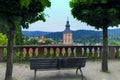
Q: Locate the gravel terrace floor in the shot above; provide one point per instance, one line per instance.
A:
(92, 71)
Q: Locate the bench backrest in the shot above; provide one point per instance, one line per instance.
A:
(38, 63)
(51, 63)
(75, 62)
(72, 62)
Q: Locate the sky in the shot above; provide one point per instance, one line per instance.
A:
(57, 17)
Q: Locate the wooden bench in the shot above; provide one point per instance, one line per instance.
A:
(57, 63)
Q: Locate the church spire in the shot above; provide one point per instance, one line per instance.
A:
(67, 23)
(67, 18)
(67, 26)
(67, 34)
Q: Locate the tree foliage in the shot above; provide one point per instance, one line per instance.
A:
(29, 40)
(17, 13)
(3, 39)
(100, 14)
(49, 41)
(18, 39)
(28, 11)
(97, 13)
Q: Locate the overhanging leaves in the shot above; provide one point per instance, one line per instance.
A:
(25, 3)
(96, 12)
(45, 3)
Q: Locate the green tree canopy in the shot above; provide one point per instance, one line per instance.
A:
(3, 39)
(28, 11)
(100, 14)
(17, 13)
(97, 13)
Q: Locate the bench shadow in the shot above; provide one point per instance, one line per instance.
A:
(57, 76)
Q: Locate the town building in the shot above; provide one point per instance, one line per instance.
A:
(67, 34)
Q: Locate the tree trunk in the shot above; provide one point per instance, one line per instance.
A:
(9, 65)
(105, 50)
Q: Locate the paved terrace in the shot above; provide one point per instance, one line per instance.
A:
(92, 71)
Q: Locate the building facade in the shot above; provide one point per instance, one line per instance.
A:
(67, 34)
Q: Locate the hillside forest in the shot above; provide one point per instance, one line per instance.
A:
(80, 37)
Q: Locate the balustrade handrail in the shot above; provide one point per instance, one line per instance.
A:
(4, 46)
(27, 51)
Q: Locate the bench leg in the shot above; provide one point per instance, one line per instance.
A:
(77, 71)
(80, 72)
(35, 74)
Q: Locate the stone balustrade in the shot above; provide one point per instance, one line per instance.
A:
(25, 52)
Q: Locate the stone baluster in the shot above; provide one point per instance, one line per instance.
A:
(14, 53)
(85, 51)
(17, 53)
(66, 52)
(60, 52)
(90, 52)
(54, 52)
(112, 52)
(33, 52)
(117, 52)
(51, 52)
(40, 52)
(1, 54)
(72, 52)
(48, 52)
(63, 52)
(21, 54)
(79, 51)
(44, 52)
(101, 51)
(27, 54)
(36, 52)
(98, 52)
(95, 52)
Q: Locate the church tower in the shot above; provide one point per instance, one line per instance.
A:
(67, 34)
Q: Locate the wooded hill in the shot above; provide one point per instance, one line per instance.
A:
(80, 36)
